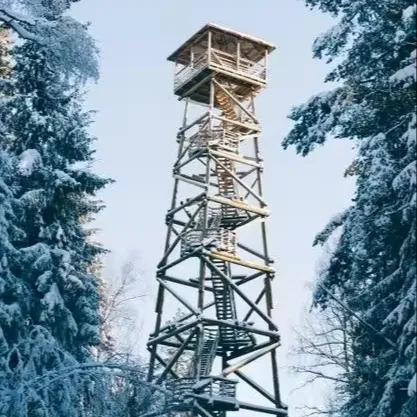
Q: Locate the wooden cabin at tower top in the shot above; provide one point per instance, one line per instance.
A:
(240, 59)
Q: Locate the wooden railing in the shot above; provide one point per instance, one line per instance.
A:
(245, 67)
(241, 65)
(188, 72)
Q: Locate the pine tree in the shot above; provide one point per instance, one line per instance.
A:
(373, 269)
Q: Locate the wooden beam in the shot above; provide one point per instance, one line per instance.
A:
(236, 158)
(238, 205)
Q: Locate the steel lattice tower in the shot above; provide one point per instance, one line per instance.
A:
(217, 199)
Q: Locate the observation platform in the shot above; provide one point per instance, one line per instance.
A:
(238, 58)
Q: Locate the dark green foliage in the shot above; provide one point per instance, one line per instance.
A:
(373, 268)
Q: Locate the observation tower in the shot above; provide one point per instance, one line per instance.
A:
(216, 264)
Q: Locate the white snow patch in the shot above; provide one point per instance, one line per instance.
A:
(53, 298)
(409, 12)
(407, 175)
(408, 72)
(27, 161)
(62, 178)
(412, 386)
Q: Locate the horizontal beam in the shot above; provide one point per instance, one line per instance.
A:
(239, 205)
(224, 256)
(250, 329)
(237, 158)
(265, 410)
(247, 126)
(189, 180)
(186, 283)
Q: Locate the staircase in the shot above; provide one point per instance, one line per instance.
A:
(226, 105)
(208, 352)
(228, 189)
(230, 338)
(226, 183)
(228, 109)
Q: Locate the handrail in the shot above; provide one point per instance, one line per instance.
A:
(246, 66)
(224, 59)
(186, 72)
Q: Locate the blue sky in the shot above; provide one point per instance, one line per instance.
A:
(137, 121)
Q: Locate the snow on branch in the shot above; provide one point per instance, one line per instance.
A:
(66, 40)
(42, 379)
(336, 222)
(412, 389)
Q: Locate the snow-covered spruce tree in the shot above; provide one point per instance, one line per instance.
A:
(373, 269)
(54, 188)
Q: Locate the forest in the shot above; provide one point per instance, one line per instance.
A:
(60, 315)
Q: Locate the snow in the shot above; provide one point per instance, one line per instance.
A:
(407, 73)
(409, 12)
(407, 175)
(62, 178)
(412, 389)
(28, 160)
(66, 40)
(53, 299)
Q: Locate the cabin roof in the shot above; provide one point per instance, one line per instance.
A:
(222, 30)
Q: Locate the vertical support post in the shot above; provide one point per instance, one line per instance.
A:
(192, 57)
(267, 281)
(266, 65)
(209, 46)
(238, 52)
(161, 290)
(158, 310)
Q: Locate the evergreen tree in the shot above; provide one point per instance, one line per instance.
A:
(373, 269)
(55, 188)
(49, 301)
(48, 23)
